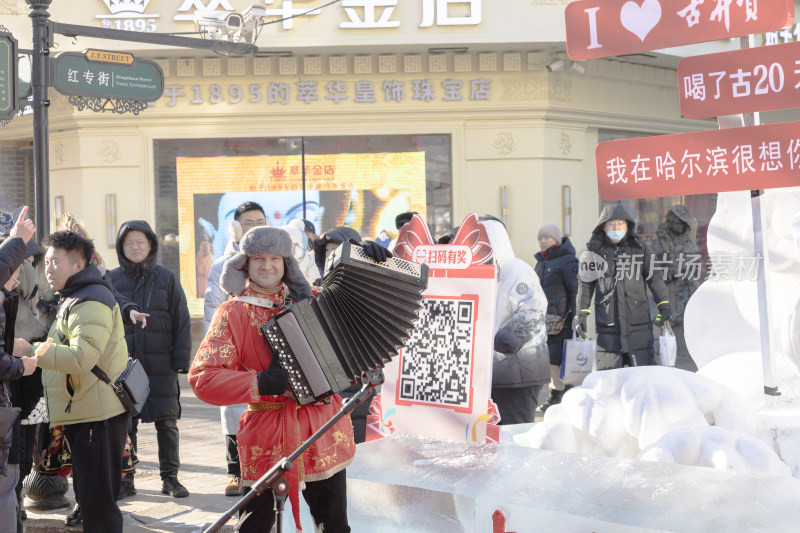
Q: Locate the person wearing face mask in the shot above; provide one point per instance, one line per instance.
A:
(622, 312)
(557, 268)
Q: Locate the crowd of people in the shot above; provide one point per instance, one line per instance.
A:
(90, 318)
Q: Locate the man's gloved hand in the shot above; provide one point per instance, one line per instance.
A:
(376, 251)
(579, 323)
(274, 380)
(664, 313)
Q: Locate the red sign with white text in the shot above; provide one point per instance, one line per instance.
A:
(604, 28)
(742, 81)
(736, 159)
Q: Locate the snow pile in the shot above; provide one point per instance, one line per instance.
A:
(656, 413)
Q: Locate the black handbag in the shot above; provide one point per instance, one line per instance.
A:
(8, 416)
(132, 387)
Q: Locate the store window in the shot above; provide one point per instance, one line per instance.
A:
(358, 181)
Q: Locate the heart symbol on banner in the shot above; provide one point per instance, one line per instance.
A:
(639, 20)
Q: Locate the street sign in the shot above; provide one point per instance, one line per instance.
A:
(735, 159)
(604, 28)
(8, 75)
(741, 81)
(74, 74)
(106, 56)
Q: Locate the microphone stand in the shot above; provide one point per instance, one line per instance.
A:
(274, 479)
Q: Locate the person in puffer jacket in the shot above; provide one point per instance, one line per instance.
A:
(521, 366)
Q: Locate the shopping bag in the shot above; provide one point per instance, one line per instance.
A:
(667, 346)
(577, 359)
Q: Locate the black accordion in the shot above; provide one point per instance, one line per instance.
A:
(360, 319)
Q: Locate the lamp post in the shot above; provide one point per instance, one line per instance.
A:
(42, 42)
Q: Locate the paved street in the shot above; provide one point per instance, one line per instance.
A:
(202, 472)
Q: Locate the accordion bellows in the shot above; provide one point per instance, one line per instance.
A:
(360, 319)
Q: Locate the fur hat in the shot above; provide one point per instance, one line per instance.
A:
(259, 241)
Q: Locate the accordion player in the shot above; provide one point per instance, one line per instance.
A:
(360, 319)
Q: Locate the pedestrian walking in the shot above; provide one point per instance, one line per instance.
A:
(557, 268)
(616, 273)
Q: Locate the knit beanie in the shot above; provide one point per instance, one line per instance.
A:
(264, 240)
(550, 230)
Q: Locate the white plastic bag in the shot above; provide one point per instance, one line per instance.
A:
(667, 346)
(577, 359)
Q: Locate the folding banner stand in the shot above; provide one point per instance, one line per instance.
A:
(738, 121)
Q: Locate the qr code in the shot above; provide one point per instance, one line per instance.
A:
(436, 363)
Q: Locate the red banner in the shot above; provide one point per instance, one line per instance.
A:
(604, 28)
(736, 159)
(742, 81)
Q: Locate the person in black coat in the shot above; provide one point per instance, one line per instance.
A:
(557, 268)
(163, 346)
(617, 273)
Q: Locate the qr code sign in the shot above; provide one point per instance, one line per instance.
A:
(436, 362)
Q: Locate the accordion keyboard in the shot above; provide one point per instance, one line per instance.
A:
(280, 348)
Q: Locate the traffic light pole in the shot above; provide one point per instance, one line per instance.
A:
(43, 31)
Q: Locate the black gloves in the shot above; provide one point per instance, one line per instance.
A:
(664, 313)
(579, 323)
(376, 251)
(274, 380)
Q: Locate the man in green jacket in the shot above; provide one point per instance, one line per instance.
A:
(88, 331)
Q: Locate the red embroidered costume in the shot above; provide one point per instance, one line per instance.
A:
(224, 373)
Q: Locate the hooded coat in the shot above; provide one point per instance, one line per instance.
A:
(622, 312)
(557, 269)
(521, 358)
(680, 252)
(164, 346)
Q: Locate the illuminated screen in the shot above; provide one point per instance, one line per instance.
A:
(362, 191)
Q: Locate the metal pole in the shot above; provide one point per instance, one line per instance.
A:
(762, 258)
(42, 41)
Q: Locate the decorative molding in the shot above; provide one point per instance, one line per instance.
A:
(312, 65)
(437, 63)
(262, 66)
(164, 65)
(387, 64)
(58, 153)
(362, 64)
(504, 143)
(237, 66)
(212, 67)
(13, 7)
(512, 62)
(185, 67)
(109, 152)
(337, 64)
(287, 66)
(412, 64)
(462, 63)
(487, 62)
(565, 143)
(537, 88)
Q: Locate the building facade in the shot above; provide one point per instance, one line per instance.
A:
(357, 110)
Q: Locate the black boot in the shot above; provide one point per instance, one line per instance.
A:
(170, 485)
(126, 488)
(553, 399)
(74, 518)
